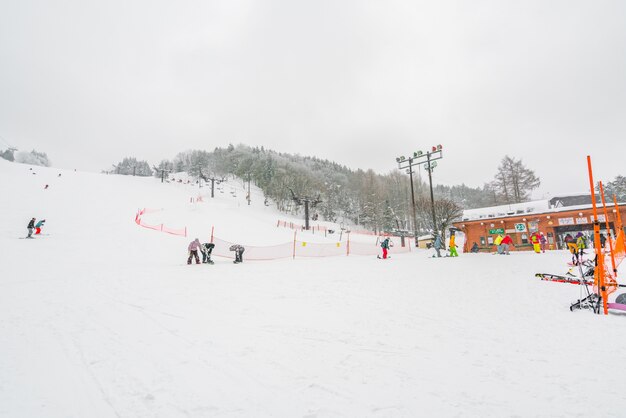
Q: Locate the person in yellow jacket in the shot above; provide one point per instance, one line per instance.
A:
(452, 246)
(498, 243)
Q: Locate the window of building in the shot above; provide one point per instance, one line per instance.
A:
(524, 239)
(482, 240)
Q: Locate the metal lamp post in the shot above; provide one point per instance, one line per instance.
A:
(429, 159)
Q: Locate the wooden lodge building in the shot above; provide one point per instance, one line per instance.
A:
(555, 218)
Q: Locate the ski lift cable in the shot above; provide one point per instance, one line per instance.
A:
(5, 141)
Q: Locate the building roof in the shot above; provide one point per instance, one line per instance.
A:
(556, 204)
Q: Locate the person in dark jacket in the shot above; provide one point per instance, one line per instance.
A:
(207, 249)
(474, 248)
(602, 240)
(385, 244)
(238, 249)
(31, 228)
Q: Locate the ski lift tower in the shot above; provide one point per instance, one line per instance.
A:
(306, 200)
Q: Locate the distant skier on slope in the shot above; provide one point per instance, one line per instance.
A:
(193, 248)
(31, 228)
(385, 244)
(38, 226)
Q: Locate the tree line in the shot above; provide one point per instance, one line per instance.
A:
(381, 202)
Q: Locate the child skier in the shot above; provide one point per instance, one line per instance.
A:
(193, 248)
(207, 249)
(38, 226)
(31, 228)
(452, 246)
(238, 249)
(385, 244)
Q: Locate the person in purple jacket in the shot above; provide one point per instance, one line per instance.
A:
(193, 248)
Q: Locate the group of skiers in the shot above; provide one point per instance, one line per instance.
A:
(503, 243)
(34, 227)
(207, 248)
(438, 245)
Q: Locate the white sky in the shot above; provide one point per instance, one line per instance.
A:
(357, 82)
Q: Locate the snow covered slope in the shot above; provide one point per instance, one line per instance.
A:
(102, 318)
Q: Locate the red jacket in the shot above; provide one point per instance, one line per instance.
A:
(507, 240)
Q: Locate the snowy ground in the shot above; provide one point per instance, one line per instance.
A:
(102, 318)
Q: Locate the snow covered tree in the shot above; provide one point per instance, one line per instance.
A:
(131, 166)
(8, 154)
(33, 157)
(616, 187)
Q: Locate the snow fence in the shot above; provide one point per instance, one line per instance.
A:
(157, 227)
(293, 249)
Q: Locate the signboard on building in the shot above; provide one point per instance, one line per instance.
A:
(520, 227)
(582, 220)
(566, 221)
(601, 218)
(533, 226)
(496, 231)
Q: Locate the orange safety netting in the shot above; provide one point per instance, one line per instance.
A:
(160, 227)
(298, 248)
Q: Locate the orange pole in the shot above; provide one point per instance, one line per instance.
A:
(294, 244)
(599, 273)
(618, 226)
(348, 246)
(606, 219)
(212, 229)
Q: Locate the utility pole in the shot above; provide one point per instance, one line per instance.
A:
(248, 196)
(435, 153)
(163, 171)
(306, 200)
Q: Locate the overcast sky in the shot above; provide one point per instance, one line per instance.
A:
(357, 82)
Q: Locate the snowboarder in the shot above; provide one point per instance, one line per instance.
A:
(385, 244)
(474, 248)
(452, 245)
(498, 243)
(207, 249)
(506, 242)
(31, 228)
(238, 249)
(38, 226)
(438, 245)
(193, 251)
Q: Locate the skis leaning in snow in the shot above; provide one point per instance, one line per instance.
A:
(564, 279)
